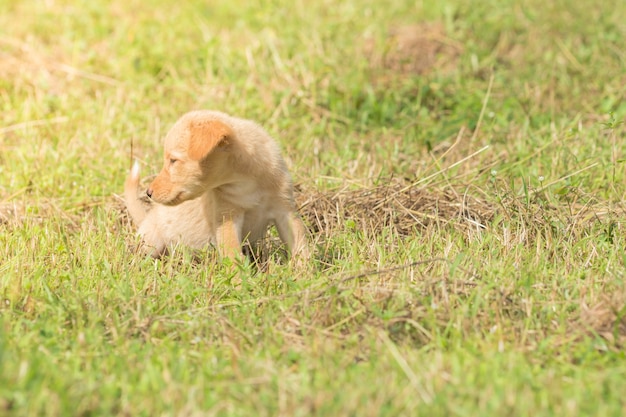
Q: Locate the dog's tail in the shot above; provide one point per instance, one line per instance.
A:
(131, 189)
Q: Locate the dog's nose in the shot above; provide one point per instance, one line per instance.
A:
(149, 192)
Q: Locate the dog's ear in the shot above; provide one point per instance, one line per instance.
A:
(206, 136)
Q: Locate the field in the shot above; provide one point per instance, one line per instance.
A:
(460, 167)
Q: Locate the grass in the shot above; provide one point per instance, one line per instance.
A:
(460, 167)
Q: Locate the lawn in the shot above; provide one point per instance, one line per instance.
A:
(460, 167)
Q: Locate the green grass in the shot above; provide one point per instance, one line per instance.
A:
(521, 111)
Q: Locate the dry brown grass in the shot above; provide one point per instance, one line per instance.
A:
(410, 50)
(605, 318)
(397, 205)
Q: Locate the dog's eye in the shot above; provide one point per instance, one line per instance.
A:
(173, 161)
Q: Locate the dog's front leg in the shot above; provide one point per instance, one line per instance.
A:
(228, 233)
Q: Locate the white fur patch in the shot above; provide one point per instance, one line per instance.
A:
(134, 172)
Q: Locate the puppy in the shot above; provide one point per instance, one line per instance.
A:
(235, 170)
(161, 227)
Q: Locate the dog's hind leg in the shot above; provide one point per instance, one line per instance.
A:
(293, 232)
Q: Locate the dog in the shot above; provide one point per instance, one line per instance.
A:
(232, 171)
(162, 227)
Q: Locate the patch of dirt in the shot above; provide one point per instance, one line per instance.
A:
(10, 212)
(606, 318)
(414, 50)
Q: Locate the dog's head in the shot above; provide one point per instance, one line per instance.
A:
(195, 158)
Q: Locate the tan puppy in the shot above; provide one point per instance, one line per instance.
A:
(161, 227)
(235, 168)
